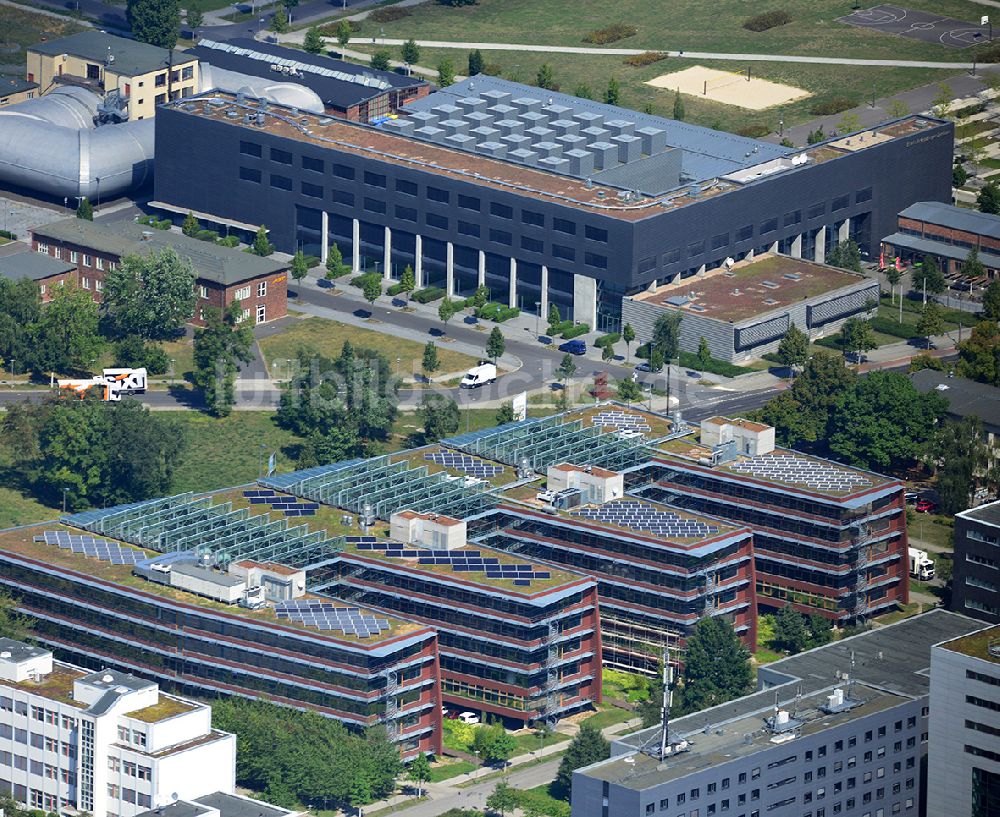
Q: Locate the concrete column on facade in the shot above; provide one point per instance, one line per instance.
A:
(819, 254)
(324, 237)
(844, 231)
(701, 270)
(512, 286)
(749, 256)
(773, 247)
(651, 286)
(387, 254)
(797, 246)
(418, 260)
(543, 307)
(356, 248)
(449, 269)
(482, 269)
(585, 300)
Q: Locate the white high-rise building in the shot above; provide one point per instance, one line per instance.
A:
(103, 742)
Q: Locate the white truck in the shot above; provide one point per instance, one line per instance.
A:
(481, 374)
(921, 565)
(111, 384)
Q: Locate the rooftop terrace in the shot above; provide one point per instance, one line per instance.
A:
(751, 288)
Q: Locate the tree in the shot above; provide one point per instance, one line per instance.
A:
(554, 317)
(261, 246)
(607, 352)
(898, 109)
(546, 78)
(972, 267)
(419, 771)
(300, 267)
(931, 321)
(791, 633)
(820, 631)
(343, 32)
(505, 414)
(629, 391)
(979, 355)
(496, 344)
(612, 96)
(678, 106)
(583, 92)
(960, 455)
(194, 17)
(991, 301)
(335, 266)
(361, 793)
(893, 275)
(12, 623)
(942, 101)
(372, 288)
(959, 176)
(85, 210)
(190, 227)
(494, 744)
(446, 73)
(988, 200)
(849, 123)
(439, 416)
(883, 422)
(430, 363)
(717, 666)
(407, 281)
(928, 277)
(667, 335)
(20, 307)
(655, 360)
(858, 337)
(410, 52)
(219, 348)
(154, 21)
(793, 350)
(447, 309)
(587, 746)
(846, 255)
(502, 799)
(313, 42)
(815, 136)
(381, 61)
(628, 335)
(476, 62)
(279, 22)
(134, 352)
(566, 369)
(480, 297)
(704, 354)
(66, 338)
(289, 5)
(152, 296)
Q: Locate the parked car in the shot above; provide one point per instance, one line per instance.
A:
(926, 506)
(645, 368)
(911, 497)
(574, 347)
(468, 717)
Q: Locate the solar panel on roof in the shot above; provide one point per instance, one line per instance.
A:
(800, 471)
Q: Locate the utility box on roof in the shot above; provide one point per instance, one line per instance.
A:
(597, 485)
(752, 439)
(427, 529)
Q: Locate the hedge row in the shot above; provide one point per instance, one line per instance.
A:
(576, 331)
(720, 367)
(498, 313)
(754, 131)
(611, 338)
(559, 328)
(8, 234)
(769, 19)
(645, 58)
(395, 289)
(359, 280)
(151, 221)
(207, 235)
(610, 34)
(229, 241)
(828, 107)
(428, 294)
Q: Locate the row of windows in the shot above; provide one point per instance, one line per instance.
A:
(130, 768)
(96, 262)
(129, 795)
(38, 768)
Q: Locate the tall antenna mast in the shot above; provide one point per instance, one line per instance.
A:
(668, 677)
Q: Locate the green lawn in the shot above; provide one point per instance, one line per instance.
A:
(541, 800)
(24, 27)
(327, 338)
(935, 531)
(528, 742)
(445, 770)
(608, 716)
(17, 509)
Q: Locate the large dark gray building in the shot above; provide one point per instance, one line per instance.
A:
(543, 197)
(976, 578)
(840, 729)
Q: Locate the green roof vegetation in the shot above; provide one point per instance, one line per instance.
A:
(164, 708)
(977, 645)
(57, 685)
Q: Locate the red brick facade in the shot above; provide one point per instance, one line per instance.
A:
(264, 298)
(949, 235)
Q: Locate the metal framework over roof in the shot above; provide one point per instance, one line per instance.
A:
(185, 522)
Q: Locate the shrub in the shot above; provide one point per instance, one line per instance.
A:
(229, 241)
(832, 105)
(645, 58)
(498, 313)
(8, 234)
(359, 281)
(559, 328)
(720, 367)
(330, 30)
(575, 331)
(389, 14)
(394, 289)
(754, 131)
(990, 53)
(428, 294)
(134, 352)
(152, 221)
(207, 235)
(312, 261)
(769, 19)
(611, 34)
(611, 338)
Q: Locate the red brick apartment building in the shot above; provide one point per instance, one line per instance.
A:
(224, 274)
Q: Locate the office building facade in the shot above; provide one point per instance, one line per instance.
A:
(976, 579)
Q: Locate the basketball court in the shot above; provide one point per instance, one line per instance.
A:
(918, 25)
(743, 90)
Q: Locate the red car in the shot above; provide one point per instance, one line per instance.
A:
(925, 506)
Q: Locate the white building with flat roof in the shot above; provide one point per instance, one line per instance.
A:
(103, 742)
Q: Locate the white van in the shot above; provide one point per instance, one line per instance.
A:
(481, 374)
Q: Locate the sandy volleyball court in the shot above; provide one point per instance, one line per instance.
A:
(729, 88)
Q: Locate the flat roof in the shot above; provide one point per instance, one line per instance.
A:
(957, 218)
(739, 737)
(211, 261)
(233, 805)
(14, 85)
(20, 541)
(352, 85)
(131, 57)
(19, 651)
(984, 513)
(440, 458)
(34, 265)
(984, 645)
(966, 398)
(752, 287)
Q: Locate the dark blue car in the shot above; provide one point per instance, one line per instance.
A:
(574, 347)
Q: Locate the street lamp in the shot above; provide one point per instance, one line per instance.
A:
(538, 317)
(985, 21)
(781, 128)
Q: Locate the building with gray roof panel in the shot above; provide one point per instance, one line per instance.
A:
(844, 753)
(947, 233)
(131, 57)
(33, 265)
(966, 398)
